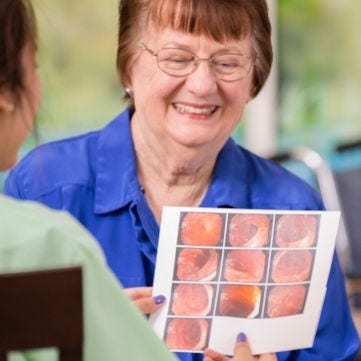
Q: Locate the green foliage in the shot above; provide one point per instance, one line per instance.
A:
(320, 57)
(77, 47)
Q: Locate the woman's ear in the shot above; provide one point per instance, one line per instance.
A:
(6, 103)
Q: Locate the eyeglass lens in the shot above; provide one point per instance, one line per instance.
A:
(180, 62)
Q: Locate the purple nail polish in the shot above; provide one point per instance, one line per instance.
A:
(241, 337)
(159, 299)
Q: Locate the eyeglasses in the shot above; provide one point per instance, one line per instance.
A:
(179, 62)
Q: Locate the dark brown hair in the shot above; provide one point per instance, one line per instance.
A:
(17, 28)
(220, 20)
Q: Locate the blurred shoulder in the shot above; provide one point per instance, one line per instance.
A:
(28, 222)
(275, 186)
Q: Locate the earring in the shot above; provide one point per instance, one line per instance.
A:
(129, 92)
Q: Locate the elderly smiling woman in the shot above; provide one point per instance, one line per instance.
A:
(189, 68)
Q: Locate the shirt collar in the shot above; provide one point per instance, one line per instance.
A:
(116, 180)
(117, 183)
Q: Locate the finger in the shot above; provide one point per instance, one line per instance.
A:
(207, 358)
(135, 293)
(149, 305)
(268, 357)
(242, 351)
(211, 355)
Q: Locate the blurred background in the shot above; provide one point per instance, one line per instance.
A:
(312, 97)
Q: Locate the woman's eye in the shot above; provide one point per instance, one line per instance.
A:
(175, 56)
(225, 64)
(180, 59)
(229, 62)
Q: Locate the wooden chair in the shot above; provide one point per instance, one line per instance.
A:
(42, 309)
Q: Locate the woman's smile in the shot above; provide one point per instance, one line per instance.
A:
(194, 109)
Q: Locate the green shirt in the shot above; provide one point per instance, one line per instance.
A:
(33, 237)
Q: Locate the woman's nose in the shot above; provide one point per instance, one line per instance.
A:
(203, 80)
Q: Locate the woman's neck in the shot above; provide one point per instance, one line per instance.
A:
(173, 178)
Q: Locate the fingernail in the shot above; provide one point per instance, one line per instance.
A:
(159, 299)
(241, 337)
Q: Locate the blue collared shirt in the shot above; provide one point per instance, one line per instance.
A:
(94, 177)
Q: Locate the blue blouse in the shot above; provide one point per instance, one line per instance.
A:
(94, 177)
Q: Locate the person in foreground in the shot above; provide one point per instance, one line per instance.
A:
(35, 237)
(189, 68)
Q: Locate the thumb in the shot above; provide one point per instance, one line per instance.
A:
(148, 305)
(241, 348)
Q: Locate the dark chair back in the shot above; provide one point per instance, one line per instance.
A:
(42, 309)
(348, 182)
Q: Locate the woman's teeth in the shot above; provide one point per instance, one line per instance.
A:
(193, 110)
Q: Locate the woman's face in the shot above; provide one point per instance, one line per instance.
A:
(196, 110)
(16, 123)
